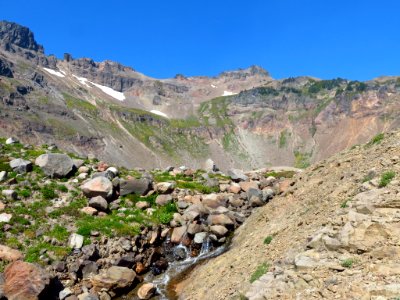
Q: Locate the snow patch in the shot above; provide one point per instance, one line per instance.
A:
(54, 72)
(213, 86)
(156, 112)
(109, 91)
(82, 80)
(228, 93)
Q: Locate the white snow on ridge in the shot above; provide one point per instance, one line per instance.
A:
(156, 112)
(109, 91)
(213, 86)
(54, 72)
(228, 93)
(82, 80)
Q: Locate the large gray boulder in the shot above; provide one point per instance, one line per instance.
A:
(21, 166)
(135, 186)
(98, 203)
(55, 165)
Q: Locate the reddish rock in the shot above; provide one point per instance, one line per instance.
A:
(8, 254)
(24, 281)
(219, 220)
(102, 166)
(246, 185)
(178, 234)
(99, 186)
(234, 188)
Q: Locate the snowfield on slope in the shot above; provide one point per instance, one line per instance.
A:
(111, 92)
(156, 112)
(228, 93)
(54, 72)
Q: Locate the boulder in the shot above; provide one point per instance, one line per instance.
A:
(200, 238)
(219, 220)
(146, 291)
(24, 281)
(8, 254)
(5, 218)
(178, 234)
(246, 185)
(219, 230)
(142, 204)
(99, 186)
(135, 186)
(98, 203)
(254, 193)
(86, 296)
(89, 211)
(163, 199)
(10, 194)
(3, 176)
(237, 175)
(165, 187)
(214, 200)
(113, 278)
(55, 165)
(11, 140)
(194, 228)
(75, 241)
(210, 166)
(234, 188)
(21, 166)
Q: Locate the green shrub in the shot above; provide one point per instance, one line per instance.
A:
(164, 214)
(347, 263)
(376, 139)
(26, 193)
(386, 178)
(268, 240)
(344, 204)
(260, 271)
(48, 192)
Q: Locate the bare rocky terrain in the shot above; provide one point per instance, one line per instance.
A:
(333, 233)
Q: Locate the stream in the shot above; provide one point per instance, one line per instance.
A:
(178, 270)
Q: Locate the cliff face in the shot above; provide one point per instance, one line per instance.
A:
(239, 118)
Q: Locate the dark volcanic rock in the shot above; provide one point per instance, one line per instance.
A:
(135, 186)
(15, 34)
(5, 69)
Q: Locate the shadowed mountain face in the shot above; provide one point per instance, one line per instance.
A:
(240, 118)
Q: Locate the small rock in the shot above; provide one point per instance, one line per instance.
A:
(5, 218)
(163, 199)
(113, 278)
(65, 293)
(142, 204)
(210, 166)
(245, 186)
(21, 166)
(75, 241)
(237, 175)
(165, 187)
(220, 220)
(178, 234)
(199, 238)
(89, 211)
(98, 203)
(8, 254)
(11, 140)
(146, 291)
(3, 176)
(10, 194)
(219, 230)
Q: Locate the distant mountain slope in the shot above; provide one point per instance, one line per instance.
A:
(240, 118)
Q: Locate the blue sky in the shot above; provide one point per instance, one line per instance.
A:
(326, 39)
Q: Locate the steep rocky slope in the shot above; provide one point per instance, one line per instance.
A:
(332, 234)
(241, 118)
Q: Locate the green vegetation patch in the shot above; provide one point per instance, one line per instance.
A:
(281, 174)
(260, 271)
(268, 240)
(79, 104)
(386, 178)
(301, 159)
(347, 263)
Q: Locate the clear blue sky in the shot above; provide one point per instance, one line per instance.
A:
(335, 38)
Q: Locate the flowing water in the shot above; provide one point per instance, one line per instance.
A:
(178, 270)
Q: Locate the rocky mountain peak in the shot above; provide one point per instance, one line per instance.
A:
(12, 34)
(243, 73)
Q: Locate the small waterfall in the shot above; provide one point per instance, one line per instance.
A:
(177, 268)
